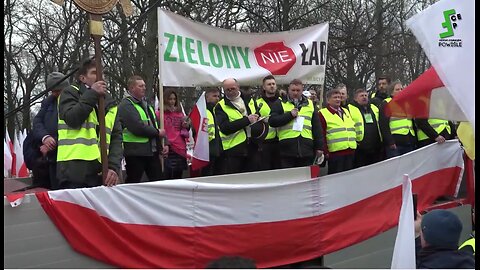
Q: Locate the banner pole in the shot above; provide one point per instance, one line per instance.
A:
(160, 90)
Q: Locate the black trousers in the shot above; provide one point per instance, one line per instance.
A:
(268, 157)
(291, 162)
(338, 164)
(137, 165)
(367, 157)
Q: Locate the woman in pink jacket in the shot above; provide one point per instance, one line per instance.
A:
(176, 127)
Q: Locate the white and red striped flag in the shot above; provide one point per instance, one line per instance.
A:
(20, 166)
(201, 150)
(446, 32)
(189, 223)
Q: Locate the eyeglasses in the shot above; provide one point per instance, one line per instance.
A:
(230, 89)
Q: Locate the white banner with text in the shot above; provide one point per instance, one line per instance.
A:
(196, 54)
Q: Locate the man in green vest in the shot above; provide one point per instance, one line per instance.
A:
(234, 118)
(78, 156)
(214, 167)
(369, 142)
(383, 82)
(339, 134)
(141, 134)
(268, 150)
(298, 128)
(433, 130)
(398, 134)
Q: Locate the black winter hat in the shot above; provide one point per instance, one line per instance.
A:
(53, 78)
(441, 228)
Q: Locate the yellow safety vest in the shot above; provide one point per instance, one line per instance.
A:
(211, 126)
(437, 124)
(236, 138)
(358, 120)
(400, 126)
(129, 137)
(264, 111)
(287, 132)
(83, 143)
(469, 242)
(340, 132)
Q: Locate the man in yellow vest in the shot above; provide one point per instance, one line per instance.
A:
(369, 141)
(268, 150)
(342, 88)
(383, 82)
(141, 134)
(339, 134)
(433, 130)
(398, 134)
(298, 128)
(214, 167)
(234, 118)
(78, 156)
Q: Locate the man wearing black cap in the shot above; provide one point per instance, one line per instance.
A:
(437, 245)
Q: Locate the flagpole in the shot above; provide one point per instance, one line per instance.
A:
(160, 93)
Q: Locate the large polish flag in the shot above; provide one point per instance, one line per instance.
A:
(185, 224)
(201, 150)
(446, 32)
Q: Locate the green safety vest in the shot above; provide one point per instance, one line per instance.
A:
(358, 120)
(340, 132)
(236, 138)
(83, 143)
(400, 126)
(287, 132)
(469, 242)
(129, 137)
(437, 124)
(211, 126)
(264, 111)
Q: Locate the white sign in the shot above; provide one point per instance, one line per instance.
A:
(196, 54)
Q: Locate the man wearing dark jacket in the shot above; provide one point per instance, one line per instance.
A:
(436, 245)
(268, 152)
(78, 157)
(381, 94)
(234, 118)
(369, 141)
(141, 134)
(45, 126)
(298, 128)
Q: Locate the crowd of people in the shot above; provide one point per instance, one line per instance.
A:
(248, 131)
(265, 130)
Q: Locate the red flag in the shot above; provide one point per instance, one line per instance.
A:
(201, 151)
(425, 97)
